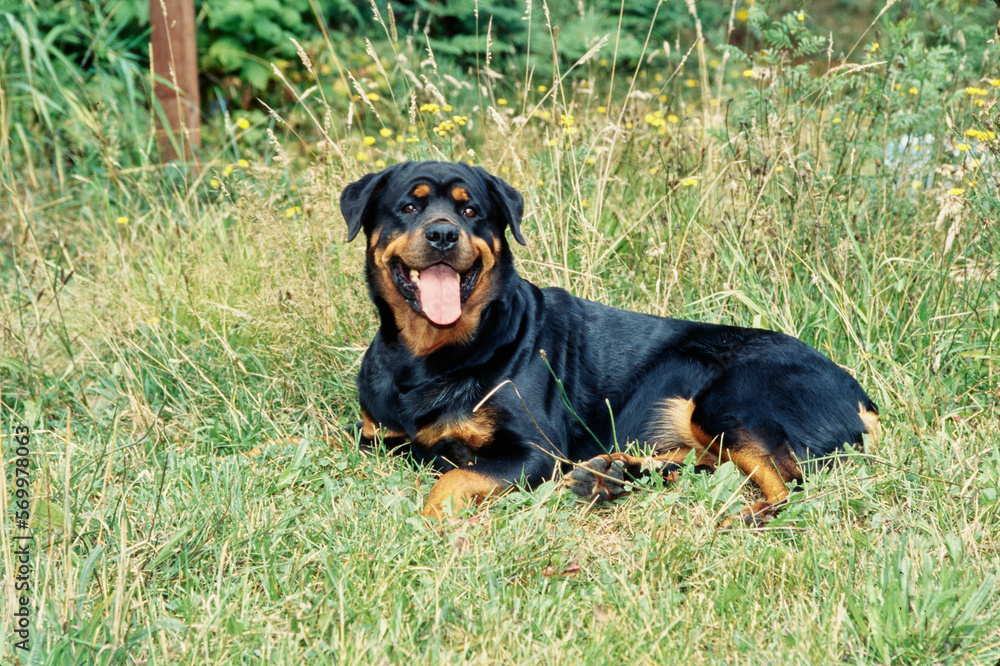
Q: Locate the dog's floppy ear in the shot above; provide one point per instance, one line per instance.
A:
(510, 203)
(356, 199)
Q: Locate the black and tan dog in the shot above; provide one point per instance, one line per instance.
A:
(457, 321)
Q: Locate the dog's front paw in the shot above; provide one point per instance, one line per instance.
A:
(599, 479)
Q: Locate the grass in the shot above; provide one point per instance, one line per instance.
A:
(183, 344)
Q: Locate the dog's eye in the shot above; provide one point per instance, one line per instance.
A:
(409, 208)
(469, 211)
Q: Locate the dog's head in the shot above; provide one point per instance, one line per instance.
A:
(437, 252)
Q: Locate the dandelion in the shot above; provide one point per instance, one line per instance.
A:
(373, 97)
(591, 160)
(671, 118)
(501, 101)
(743, 15)
(836, 121)
(368, 141)
(800, 16)
(385, 132)
(122, 220)
(552, 142)
(995, 83)
(956, 191)
(243, 123)
(214, 182)
(228, 170)
(748, 73)
(653, 120)
(979, 102)
(361, 156)
(963, 147)
(689, 182)
(913, 91)
(243, 164)
(971, 90)
(542, 88)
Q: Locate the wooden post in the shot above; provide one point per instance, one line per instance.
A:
(175, 68)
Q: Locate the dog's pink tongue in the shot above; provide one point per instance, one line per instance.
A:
(440, 294)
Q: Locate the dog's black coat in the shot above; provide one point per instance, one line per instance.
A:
(749, 387)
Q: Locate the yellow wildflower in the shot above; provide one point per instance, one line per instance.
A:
(430, 107)
(368, 141)
(972, 90)
(956, 191)
(293, 211)
(243, 123)
(228, 170)
(385, 132)
(122, 220)
(214, 182)
(542, 88)
(963, 147)
(243, 164)
(836, 121)
(501, 101)
(913, 91)
(673, 119)
(689, 182)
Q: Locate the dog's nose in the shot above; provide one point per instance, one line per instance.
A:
(442, 236)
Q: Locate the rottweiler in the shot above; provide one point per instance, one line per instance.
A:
(494, 381)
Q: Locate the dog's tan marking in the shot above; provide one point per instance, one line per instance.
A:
(464, 487)
(475, 431)
(460, 194)
(421, 190)
(873, 425)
